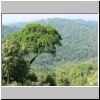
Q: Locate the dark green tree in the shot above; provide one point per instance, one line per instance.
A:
(36, 39)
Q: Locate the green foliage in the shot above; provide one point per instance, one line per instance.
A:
(41, 77)
(31, 75)
(33, 38)
(39, 39)
(14, 66)
(92, 79)
(51, 79)
(62, 79)
(75, 63)
(77, 74)
(14, 83)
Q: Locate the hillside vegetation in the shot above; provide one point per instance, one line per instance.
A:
(75, 62)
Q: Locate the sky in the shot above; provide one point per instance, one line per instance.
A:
(16, 18)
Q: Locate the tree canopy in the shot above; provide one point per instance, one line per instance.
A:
(37, 39)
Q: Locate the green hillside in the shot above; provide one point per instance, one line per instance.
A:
(79, 39)
(76, 61)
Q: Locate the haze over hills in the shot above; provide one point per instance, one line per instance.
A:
(79, 40)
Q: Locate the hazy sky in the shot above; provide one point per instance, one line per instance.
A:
(16, 18)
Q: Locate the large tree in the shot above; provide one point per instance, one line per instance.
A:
(36, 39)
(33, 39)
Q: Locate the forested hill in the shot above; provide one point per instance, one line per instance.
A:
(79, 39)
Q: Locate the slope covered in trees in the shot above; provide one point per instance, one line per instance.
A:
(76, 61)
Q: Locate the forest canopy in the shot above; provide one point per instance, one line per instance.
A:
(52, 52)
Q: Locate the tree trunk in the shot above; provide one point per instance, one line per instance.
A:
(8, 79)
(31, 61)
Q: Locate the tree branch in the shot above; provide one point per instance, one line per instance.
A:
(31, 61)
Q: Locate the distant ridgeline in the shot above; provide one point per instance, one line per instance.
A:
(79, 40)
